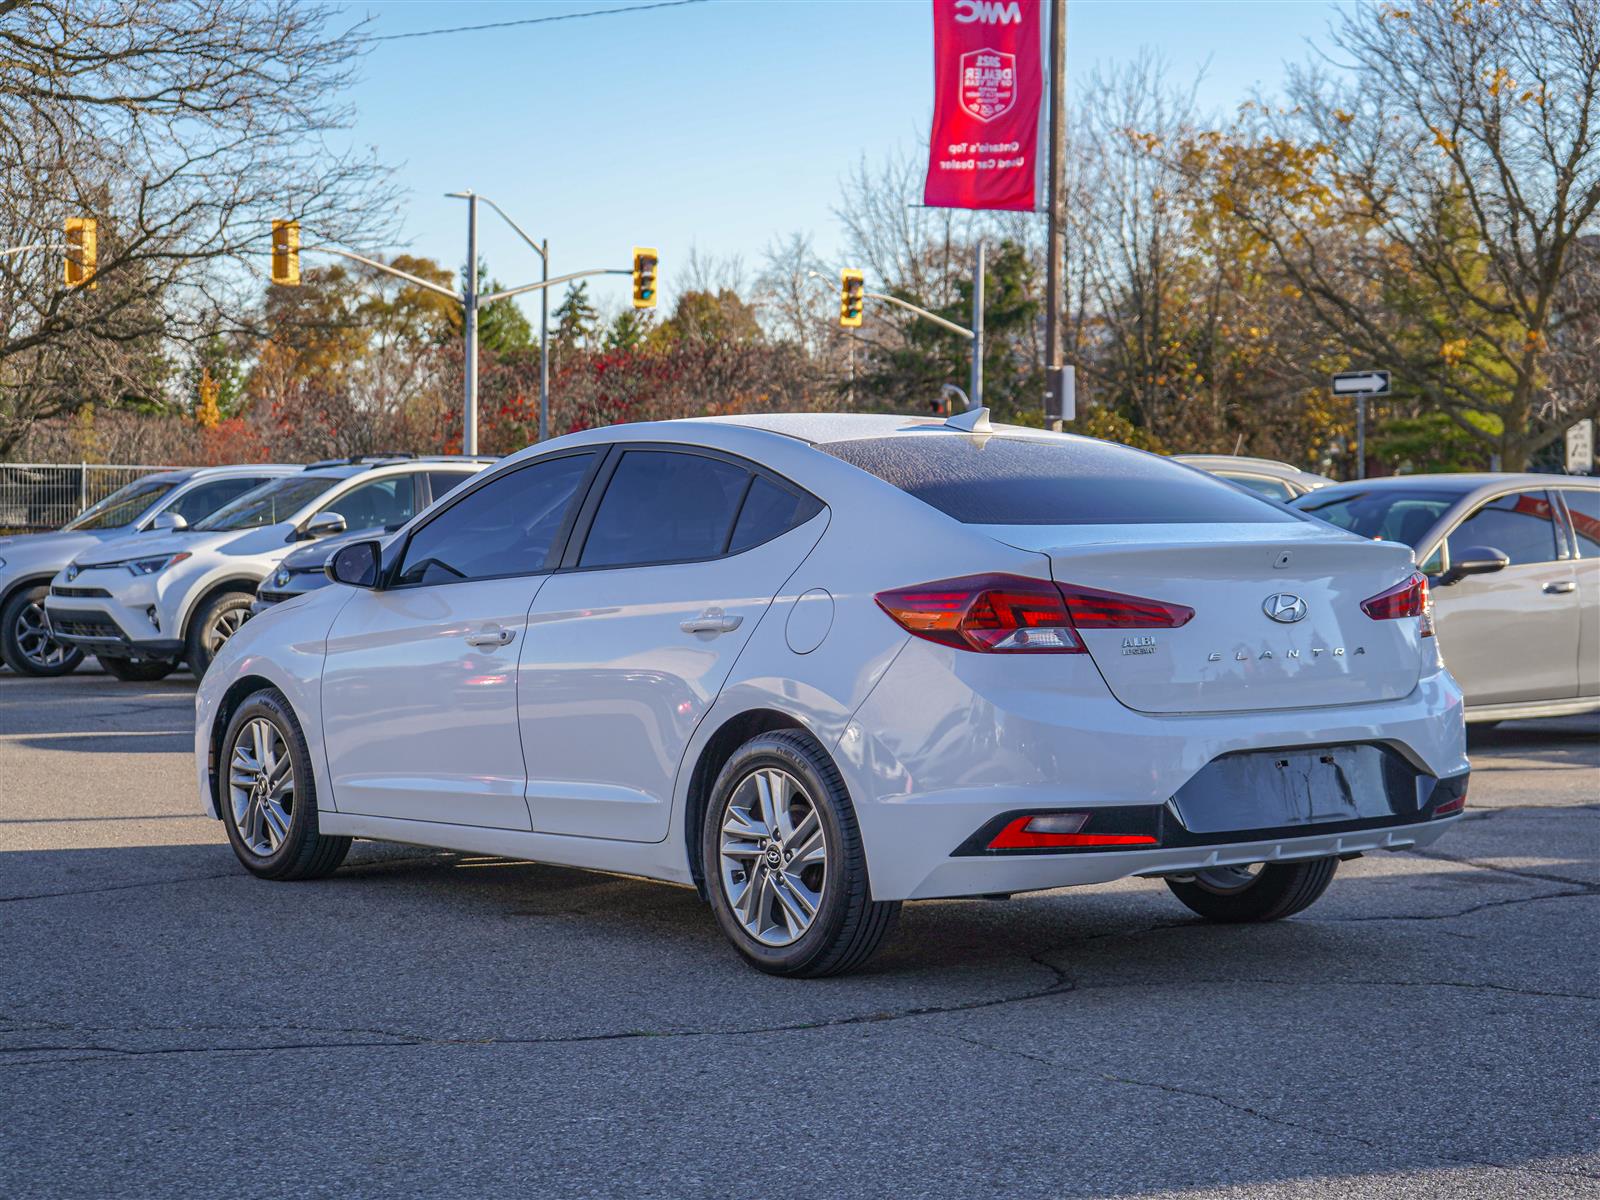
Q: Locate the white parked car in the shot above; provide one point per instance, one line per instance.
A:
(155, 503)
(142, 605)
(819, 665)
(1275, 480)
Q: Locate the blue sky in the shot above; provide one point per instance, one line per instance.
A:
(716, 125)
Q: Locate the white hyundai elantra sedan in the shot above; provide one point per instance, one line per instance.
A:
(818, 665)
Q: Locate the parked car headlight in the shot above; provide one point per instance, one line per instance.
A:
(134, 566)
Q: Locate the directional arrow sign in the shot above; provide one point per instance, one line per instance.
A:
(1361, 383)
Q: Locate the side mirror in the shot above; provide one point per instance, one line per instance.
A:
(355, 565)
(1475, 560)
(169, 522)
(323, 525)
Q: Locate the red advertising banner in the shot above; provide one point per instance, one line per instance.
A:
(988, 88)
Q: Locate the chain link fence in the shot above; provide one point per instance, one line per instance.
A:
(35, 497)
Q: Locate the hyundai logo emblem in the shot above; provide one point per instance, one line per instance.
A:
(1284, 607)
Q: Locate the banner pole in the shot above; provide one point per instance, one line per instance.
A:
(1056, 253)
(976, 390)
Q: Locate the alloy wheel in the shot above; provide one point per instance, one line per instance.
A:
(774, 856)
(34, 640)
(1225, 880)
(225, 625)
(261, 786)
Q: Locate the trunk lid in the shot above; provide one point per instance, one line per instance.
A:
(1232, 656)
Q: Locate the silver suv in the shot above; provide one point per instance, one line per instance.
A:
(163, 501)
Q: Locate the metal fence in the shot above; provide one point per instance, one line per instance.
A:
(41, 496)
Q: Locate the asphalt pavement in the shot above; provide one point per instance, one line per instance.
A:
(427, 1023)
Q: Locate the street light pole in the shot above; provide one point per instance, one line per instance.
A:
(544, 340)
(977, 331)
(469, 416)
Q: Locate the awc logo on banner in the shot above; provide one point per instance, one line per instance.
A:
(988, 84)
(988, 12)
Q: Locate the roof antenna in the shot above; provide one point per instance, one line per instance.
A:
(973, 420)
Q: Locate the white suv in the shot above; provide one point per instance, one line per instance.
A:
(159, 502)
(142, 605)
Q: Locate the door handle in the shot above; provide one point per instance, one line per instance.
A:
(713, 620)
(1559, 587)
(495, 637)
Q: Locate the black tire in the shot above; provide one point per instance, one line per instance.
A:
(302, 851)
(212, 624)
(21, 610)
(1276, 891)
(137, 670)
(848, 926)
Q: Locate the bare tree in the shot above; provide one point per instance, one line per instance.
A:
(1428, 212)
(182, 127)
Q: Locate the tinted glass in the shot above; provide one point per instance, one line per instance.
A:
(1584, 505)
(664, 507)
(444, 482)
(123, 506)
(1014, 481)
(506, 527)
(1522, 525)
(269, 503)
(377, 504)
(1272, 489)
(1384, 514)
(768, 511)
(204, 499)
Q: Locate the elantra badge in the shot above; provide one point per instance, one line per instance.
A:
(1284, 607)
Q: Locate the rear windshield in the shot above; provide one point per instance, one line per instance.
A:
(269, 503)
(1386, 514)
(1016, 481)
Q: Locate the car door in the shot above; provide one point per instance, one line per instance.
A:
(679, 559)
(419, 686)
(1511, 636)
(1583, 507)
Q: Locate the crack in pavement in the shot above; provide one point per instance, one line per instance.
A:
(1060, 984)
(1240, 1106)
(1465, 912)
(1519, 872)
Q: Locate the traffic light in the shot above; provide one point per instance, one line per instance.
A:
(644, 277)
(852, 297)
(81, 251)
(286, 252)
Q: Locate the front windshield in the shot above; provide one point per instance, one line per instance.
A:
(1383, 514)
(269, 503)
(123, 506)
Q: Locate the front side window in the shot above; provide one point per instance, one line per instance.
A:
(1002, 480)
(445, 482)
(377, 504)
(269, 503)
(204, 499)
(662, 506)
(1584, 506)
(123, 506)
(506, 527)
(1521, 525)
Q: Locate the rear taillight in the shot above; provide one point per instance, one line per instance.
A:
(1010, 614)
(1406, 599)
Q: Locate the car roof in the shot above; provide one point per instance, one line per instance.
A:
(1241, 462)
(1463, 482)
(817, 428)
(184, 474)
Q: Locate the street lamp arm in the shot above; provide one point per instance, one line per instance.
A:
(388, 270)
(547, 283)
(537, 248)
(10, 250)
(922, 312)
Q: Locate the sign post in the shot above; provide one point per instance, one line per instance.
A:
(1580, 448)
(1361, 384)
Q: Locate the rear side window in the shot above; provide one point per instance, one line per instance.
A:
(507, 527)
(662, 506)
(1584, 505)
(1522, 526)
(768, 511)
(1000, 480)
